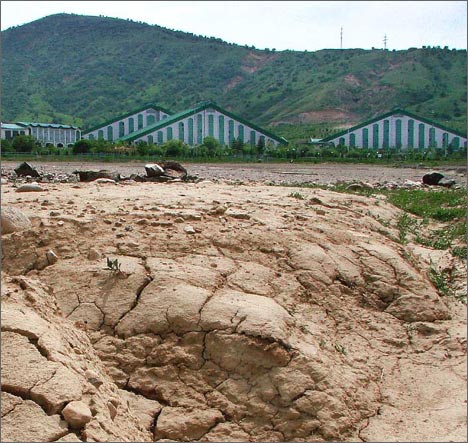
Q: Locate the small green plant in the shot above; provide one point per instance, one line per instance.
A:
(460, 251)
(440, 281)
(297, 195)
(405, 225)
(340, 348)
(113, 265)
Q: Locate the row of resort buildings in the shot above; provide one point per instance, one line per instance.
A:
(156, 125)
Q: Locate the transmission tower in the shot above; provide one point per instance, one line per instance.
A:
(385, 41)
(341, 38)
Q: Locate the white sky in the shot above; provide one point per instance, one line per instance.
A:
(297, 25)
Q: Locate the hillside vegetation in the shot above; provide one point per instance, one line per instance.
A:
(83, 70)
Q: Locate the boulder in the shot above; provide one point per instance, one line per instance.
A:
(446, 182)
(28, 422)
(77, 414)
(174, 170)
(182, 425)
(432, 178)
(25, 169)
(91, 175)
(13, 220)
(30, 187)
(154, 170)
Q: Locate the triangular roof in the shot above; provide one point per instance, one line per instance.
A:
(388, 114)
(188, 112)
(128, 114)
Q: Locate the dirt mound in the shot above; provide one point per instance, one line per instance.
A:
(273, 318)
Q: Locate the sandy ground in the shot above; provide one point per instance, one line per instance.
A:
(243, 313)
(328, 173)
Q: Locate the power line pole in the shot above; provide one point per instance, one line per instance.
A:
(385, 41)
(341, 38)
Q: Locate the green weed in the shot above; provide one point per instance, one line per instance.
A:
(113, 265)
(440, 281)
(341, 349)
(297, 195)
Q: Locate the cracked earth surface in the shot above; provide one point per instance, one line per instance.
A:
(273, 319)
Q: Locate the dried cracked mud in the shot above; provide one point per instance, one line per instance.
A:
(239, 313)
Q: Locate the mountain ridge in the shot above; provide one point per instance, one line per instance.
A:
(87, 69)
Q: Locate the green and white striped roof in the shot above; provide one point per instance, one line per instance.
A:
(187, 113)
(128, 114)
(389, 114)
(46, 125)
(12, 127)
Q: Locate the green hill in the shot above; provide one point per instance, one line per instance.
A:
(84, 70)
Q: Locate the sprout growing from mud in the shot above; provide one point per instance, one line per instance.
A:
(297, 195)
(113, 265)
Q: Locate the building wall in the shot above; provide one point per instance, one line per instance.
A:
(395, 131)
(55, 136)
(210, 122)
(123, 127)
(45, 135)
(8, 134)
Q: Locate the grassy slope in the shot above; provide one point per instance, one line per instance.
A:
(83, 70)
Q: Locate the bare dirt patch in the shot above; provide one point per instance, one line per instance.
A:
(238, 313)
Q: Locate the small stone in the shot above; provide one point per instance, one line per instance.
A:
(112, 410)
(93, 378)
(237, 214)
(51, 257)
(77, 414)
(93, 254)
(61, 223)
(189, 229)
(106, 180)
(54, 213)
(179, 220)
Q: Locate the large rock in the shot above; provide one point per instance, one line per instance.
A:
(178, 424)
(154, 170)
(28, 422)
(91, 175)
(163, 172)
(30, 187)
(77, 414)
(13, 220)
(173, 169)
(25, 169)
(432, 178)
